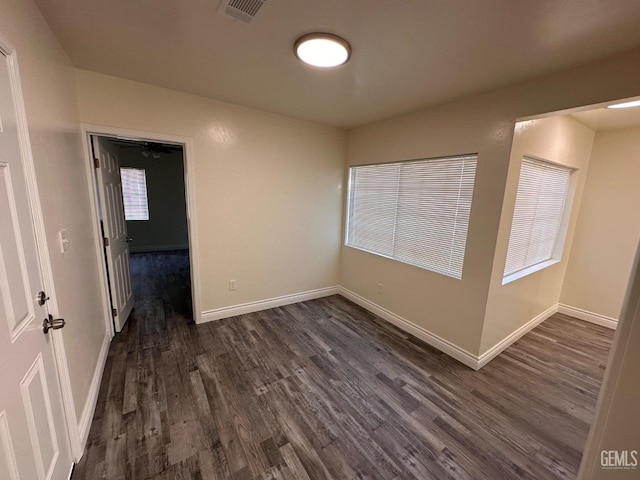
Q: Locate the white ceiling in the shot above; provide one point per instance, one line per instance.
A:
(601, 119)
(406, 54)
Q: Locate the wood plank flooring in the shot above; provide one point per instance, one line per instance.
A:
(325, 390)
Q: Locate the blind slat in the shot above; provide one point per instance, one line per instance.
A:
(415, 212)
(537, 217)
(134, 193)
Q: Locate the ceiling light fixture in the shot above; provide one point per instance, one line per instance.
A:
(322, 50)
(635, 103)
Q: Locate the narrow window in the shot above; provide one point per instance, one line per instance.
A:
(134, 193)
(537, 218)
(415, 212)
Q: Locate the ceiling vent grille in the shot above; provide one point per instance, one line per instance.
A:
(244, 10)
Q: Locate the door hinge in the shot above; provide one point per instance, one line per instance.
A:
(96, 162)
(114, 312)
(106, 241)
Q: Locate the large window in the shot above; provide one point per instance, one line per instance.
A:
(537, 218)
(134, 193)
(415, 212)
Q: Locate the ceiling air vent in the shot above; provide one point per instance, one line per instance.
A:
(244, 10)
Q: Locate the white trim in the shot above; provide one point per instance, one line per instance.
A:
(16, 329)
(460, 354)
(92, 398)
(529, 270)
(510, 339)
(159, 248)
(37, 368)
(44, 259)
(476, 362)
(189, 184)
(250, 307)
(588, 316)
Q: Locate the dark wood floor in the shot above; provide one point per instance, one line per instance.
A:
(325, 390)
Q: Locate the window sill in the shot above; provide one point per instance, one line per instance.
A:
(529, 270)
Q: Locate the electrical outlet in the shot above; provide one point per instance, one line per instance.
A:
(232, 284)
(380, 287)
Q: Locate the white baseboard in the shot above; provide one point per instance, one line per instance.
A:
(159, 248)
(587, 316)
(464, 356)
(250, 307)
(92, 398)
(503, 344)
(460, 354)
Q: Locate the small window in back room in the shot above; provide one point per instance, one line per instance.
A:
(415, 212)
(134, 193)
(534, 242)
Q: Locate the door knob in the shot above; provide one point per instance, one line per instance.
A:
(51, 323)
(42, 298)
(129, 239)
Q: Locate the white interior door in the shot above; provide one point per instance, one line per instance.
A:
(34, 442)
(115, 229)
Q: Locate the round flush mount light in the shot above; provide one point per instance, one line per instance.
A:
(322, 50)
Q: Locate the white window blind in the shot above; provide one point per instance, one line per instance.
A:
(134, 193)
(415, 212)
(538, 214)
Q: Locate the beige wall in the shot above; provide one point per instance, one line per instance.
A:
(562, 140)
(428, 299)
(455, 309)
(49, 94)
(268, 187)
(608, 229)
(617, 423)
(166, 228)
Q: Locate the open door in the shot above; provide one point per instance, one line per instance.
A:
(33, 433)
(114, 229)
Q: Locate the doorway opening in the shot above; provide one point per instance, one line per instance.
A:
(592, 246)
(595, 237)
(142, 216)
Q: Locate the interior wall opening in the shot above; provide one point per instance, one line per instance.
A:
(142, 211)
(597, 239)
(589, 238)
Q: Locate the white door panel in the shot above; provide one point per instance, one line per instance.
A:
(115, 229)
(33, 437)
(14, 272)
(8, 460)
(42, 431)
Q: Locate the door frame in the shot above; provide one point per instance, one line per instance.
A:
(190, 201)
(71, 435)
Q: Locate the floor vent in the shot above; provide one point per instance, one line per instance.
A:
(244, 10)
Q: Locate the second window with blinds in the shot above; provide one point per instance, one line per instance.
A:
(134, 193)
(415, 212)
(535, 241)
